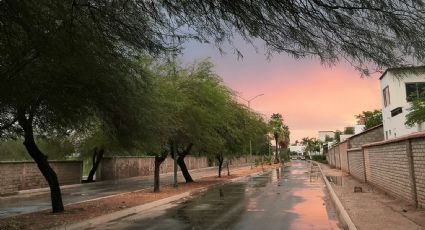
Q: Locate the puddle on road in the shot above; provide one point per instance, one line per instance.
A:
(336, 180)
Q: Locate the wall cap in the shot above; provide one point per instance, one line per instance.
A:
(403, 138)
(52, 161)
(353, 149)
(366, 131)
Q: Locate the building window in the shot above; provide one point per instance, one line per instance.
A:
(386, 93)
(415, 90)
(386, 135)
(396, 111)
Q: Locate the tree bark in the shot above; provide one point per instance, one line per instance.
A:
(182, 164)
(97, 157)
(276, 160)
(158, 162)
(228, 168)
(41, 160)
(220, 164)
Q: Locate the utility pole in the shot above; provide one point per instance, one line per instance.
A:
(249, 107)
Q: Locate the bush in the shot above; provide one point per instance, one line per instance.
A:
(319, 158)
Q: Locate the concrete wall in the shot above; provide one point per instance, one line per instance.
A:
(371, 135)
(356, 163)
(112, 168)
(337, 157)
(418, 153)
(23, 175)
(343, 147)
(387, 168)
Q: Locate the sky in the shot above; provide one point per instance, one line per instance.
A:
(310, 96)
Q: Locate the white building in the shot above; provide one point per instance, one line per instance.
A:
(323, 134)
(396, 92)
(299, 149)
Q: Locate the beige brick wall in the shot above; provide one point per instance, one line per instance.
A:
(343, 156)
(16, 176)
(124, 167)
(372, 135)
(418, 151)
(387, 168)
(337, 157)
(356, 164)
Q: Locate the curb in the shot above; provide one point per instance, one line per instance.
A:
(342, 213)
(144, 207)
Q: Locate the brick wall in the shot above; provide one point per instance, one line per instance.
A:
(356, 165)
(387, 168)
(343, 156)
(124, 167)
(371, 135)
(16, 176)
(337, 157)
(418, 152)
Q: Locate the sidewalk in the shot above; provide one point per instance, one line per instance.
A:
(372, 208)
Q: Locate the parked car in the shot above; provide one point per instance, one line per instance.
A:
(294, 158)
(302, 158)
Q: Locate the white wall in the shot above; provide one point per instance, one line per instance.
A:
(297, 148)
(322, 135)
(394, 126)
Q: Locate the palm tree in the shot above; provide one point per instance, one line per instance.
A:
(276, 125)
(284, 138)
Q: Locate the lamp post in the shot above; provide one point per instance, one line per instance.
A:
(249, 107)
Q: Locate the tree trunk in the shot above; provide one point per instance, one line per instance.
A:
(276, 160)
(41, 160)
(220, 164)
(228, 169)
(182, 164)
(183, 168)
(158, 162)
(97, 157)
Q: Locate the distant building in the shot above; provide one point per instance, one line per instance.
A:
(299, 149)
(323, 134)
(396, 95)
(358, 128)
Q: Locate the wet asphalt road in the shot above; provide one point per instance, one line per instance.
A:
(290, 198)
(27, 203)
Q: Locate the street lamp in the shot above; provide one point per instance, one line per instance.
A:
(249, 107)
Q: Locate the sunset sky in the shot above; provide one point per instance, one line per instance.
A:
(311, 97)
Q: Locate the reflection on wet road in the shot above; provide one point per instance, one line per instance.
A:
(289, 198)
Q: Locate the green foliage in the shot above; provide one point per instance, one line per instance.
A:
(337, 136)
(371, 118)
(319, 158)
(349, 130)
(328, 138)
(311, 144)
(416, 112)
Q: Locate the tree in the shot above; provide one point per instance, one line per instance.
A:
(384, 34)
(416, 113)
(328, 138)
(349, 130)
(311, 144)
(337, 136)
(66, 62)
(276, 125)
(371, 118)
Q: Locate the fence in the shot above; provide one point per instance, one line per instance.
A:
(22, 175)
(396, 166)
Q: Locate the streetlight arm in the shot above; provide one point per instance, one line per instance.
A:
(254, 97)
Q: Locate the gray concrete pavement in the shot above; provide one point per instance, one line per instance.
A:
(289, 198)
(32, 202)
